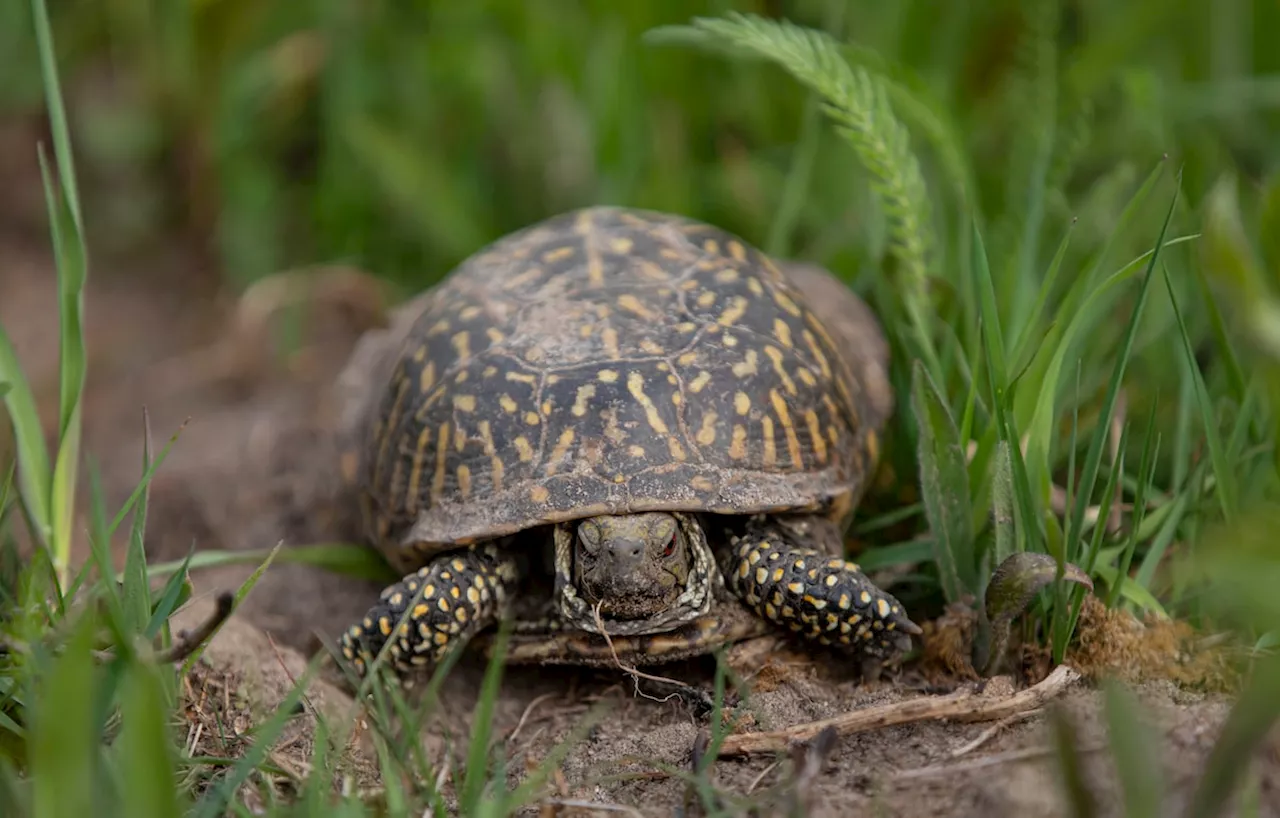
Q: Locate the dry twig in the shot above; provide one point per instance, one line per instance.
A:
(188, 642)
(963, 705)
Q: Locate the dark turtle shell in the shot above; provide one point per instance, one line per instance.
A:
(607, 361)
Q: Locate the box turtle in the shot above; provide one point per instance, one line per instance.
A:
(623, 419)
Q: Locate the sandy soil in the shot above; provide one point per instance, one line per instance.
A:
(248, 471)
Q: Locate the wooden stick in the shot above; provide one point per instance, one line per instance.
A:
(963, 705)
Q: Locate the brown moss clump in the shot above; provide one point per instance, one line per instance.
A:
(1113, 643)
(948, 645)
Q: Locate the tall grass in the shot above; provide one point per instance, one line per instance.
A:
(1077, 286)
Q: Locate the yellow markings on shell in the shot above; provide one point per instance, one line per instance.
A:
(711, 246)
(736, 250)
(635, 306)
(741, 403)
(651, 347)
(620, 245)
(864, 598)
(699, 382)
(782, 331)
(533, 354)
(459, 438)
(607, 376)
(427, 378)
(753, 284)
(690, 284)
(815, 435)
(508, 404)
(496, 468)
(420, 610)
(812, 342)
(462, 343)
(770, 446)
(438, 328)
(546, 408)
(609, 336)
(882, 608)
(560, 450)
(775, 357)
(531, 418)
(585, 393)
(652, 271)
(738, 446)
(539, 494)
(635, 451)
(419, 354)
(440, 638)
(687, 359)
(873, 446)
(489, 371)
(830, 581)
(701, 483)
(677, 451)
(442, 450)
(789, 430)
(464, 403)
(778, 574)
(686, 326)
(415, 475)
(635, 385)
(707, 298)
(523, 449)
(676, 397)
(707, 432)
(844, 602)
(495, 335)
(807, 376)
(586, 330)
(748, 365)
(464, 481)
(727, 275)
(460, 377)
(816, 603)
(744, 569)
(730, 340)
(523, 278)
(795, 587)
(521, 377)
(558, 254)
(443, 604)
(736, 309)
(784, 301)
(762, 576)
(469, 312)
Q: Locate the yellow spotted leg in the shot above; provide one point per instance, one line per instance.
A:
(814, 594)
(449, 601)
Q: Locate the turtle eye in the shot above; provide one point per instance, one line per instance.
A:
(671, 546)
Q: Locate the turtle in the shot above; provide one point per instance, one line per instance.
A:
(633, 435)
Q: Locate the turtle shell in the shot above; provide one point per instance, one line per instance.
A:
(611, 360)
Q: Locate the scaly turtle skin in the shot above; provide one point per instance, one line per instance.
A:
(626, 419)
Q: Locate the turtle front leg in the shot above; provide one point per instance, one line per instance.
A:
(812, 593)
(449, 600)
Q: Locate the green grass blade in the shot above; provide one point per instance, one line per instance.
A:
(1224, 475)
(1250, 720)
(1093, 456)
(33, 456)
(137, 589)
(348, 559)
(477, 770)
(1131, 745)
(146, 755)
(944, 485)
(1146, 475)
(241, 593)
(64, 733)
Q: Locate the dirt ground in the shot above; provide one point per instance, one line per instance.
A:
(247, 462)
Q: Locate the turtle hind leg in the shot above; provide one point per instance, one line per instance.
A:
(448, 601)
(813, 594)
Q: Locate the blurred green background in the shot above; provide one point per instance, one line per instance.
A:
(400, 136)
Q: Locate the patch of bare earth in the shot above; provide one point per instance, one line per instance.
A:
(248, 471)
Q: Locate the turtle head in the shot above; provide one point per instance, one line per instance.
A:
(645, 572)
